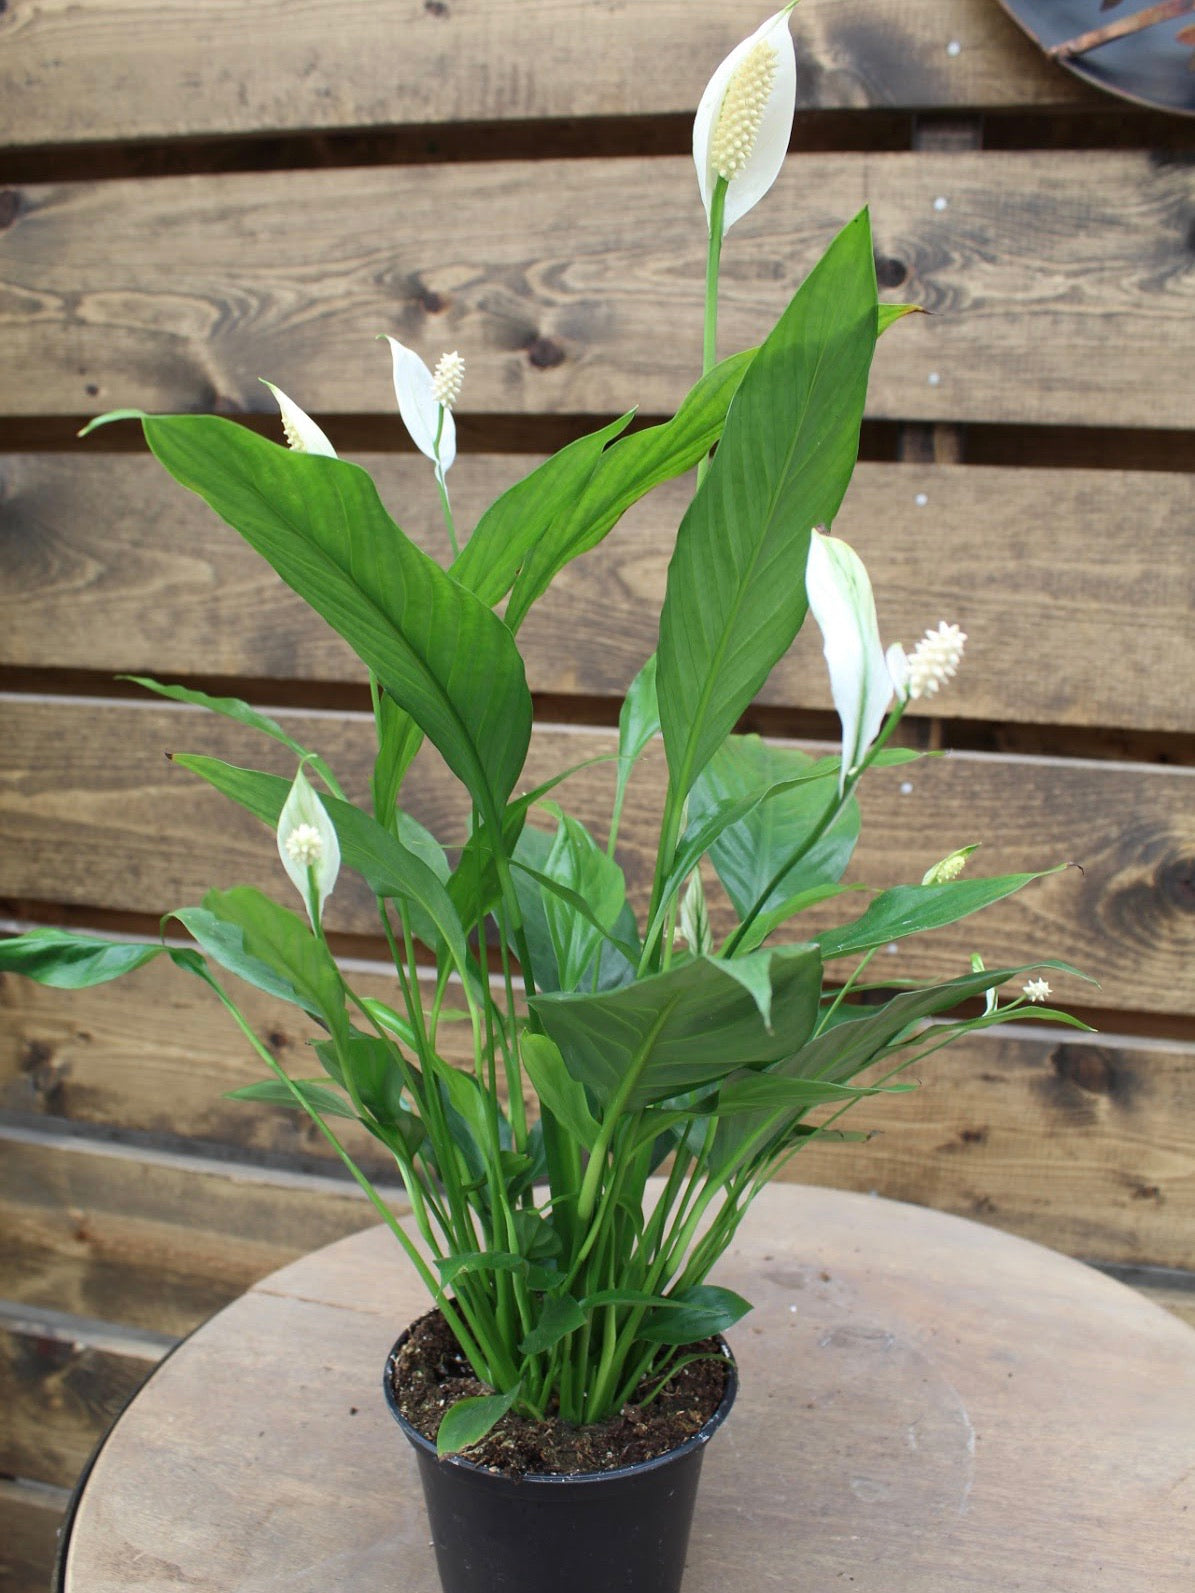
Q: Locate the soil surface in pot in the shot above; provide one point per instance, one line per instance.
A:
(431, 1374)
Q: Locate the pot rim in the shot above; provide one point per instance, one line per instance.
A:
(549, 1479)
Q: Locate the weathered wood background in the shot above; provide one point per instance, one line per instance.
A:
(195, 196)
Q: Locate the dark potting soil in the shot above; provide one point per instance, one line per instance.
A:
(431, 1374)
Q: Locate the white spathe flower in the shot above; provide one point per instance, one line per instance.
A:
(307, 841)
(1036, 989)
(423, 414)
(745, 119)
(301, 432)
(841, 599)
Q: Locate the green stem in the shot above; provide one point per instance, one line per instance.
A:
(443, 486)
(717, 206)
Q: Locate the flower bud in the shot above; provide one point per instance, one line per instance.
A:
(301, 432)
(427, 419)
(308, 846)
(841, 599)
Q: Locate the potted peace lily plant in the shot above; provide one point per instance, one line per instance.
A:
(574, 1328)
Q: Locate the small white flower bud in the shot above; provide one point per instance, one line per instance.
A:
(949, 868)
(307, 841)
(935, 659)
(447, 380)
(1036, 989)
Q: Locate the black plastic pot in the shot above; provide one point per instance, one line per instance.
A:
(624, 1530)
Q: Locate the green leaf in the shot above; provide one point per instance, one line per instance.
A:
(315, 1095)
(584, 893)
(399, 739)
(469, 1420)
(639, 716)
(912, 909)
(767, 1092)
(71, 962)
(780, 915)
(223, 941)
(557, 1089)
(560, 1316)
(235, 708)
(736, 589)
(440, 652)
(509, 530)
(623, 474)
(888, 314)
(280, 939)
(750, 853)
(681, 1029)
(704, 1311)
(390, 869)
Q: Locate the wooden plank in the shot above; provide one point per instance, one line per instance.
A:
(1083, 1144)
(64, 1380)
(155, 1054)
(107, 564)
(1059, 284)
(94, 815)
(30, 1515)
(109, 72)
(1080, 1142)
(148, 1238)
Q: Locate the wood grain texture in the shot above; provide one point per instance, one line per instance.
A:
(64, 1381)
(107, 564)
(1060, 284)
(92, 814)
(147, 1238)
(114, 70)
(1082, 1143)
(914, 1392)
(30, 1515)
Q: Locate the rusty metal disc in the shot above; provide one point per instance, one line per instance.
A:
(1142, 52)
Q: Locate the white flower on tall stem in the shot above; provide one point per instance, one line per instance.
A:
(933, 662)
(745, 118)
(308, 846)
(301, 432)
(1036, 990)
(425, 402)
(842, 603)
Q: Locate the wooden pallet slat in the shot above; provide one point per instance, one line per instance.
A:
(114, 71)
(96, 815)
(576, 286)
(149, 1238)
(1081, 1142)
(108, 565)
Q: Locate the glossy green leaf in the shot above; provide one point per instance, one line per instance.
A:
(223, 940)
(703, 1311)
(624, 473)
(767, 923)
(244, 714)
(749, 856)
(390, 869)
(584, 894)
(561, 1315)
(469, 1420)
(557, 1089)
(912, 909)
(736, 585)
(510, 529)
(681, 1029)
(440, 652)
(68, 961)
(316, 1096)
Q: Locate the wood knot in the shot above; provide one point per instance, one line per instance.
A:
(1087, 1066)
(890, 273)
(544, 353)
(34, 1055)
(435, 8)
(973, 1136)
(1176, 881)
(431, 302)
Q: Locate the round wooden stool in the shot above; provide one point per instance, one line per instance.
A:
(926, 1404)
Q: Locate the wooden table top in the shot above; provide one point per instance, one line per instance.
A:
(926, 1404)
